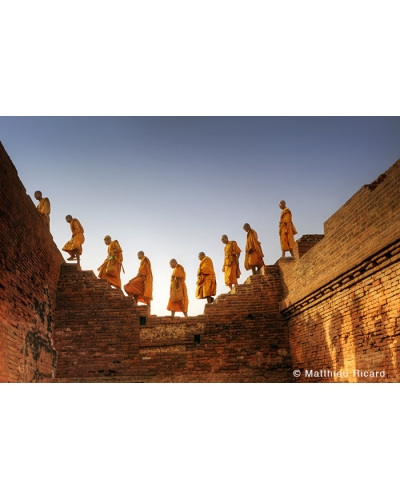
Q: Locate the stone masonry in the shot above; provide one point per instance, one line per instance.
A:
(332, 312)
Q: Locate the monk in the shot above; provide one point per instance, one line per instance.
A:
(140, 288)
(206, 281)
(43, 208)
(231, 261)
(74, 245)
(286, 229)
(254, 255)
(178, 297)
(110, 270)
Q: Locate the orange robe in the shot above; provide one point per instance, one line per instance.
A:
(206, 281)
(110, 270)
(44, 211)
(141, 286)
(254, 255)
(75, 243)
(178, 281)
(287, 240)
(231, 263)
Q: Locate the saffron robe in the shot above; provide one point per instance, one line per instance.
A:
(206, 281)
(231, 263)
(287, 240)
(141, 286)
(44, 211)
(178, 281)
(110, 270)
(254, 255)
(74, 245)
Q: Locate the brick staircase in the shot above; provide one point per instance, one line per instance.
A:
(96, 326)
(101, 336)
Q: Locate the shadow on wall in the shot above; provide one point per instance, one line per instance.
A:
(356, 345)
(336, 341)
(313, 347)
(374, 338)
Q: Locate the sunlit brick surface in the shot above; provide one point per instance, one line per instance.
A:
(242, 337)
(334, 308)
(341, 297)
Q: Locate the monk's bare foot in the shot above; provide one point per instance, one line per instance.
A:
(185, 314)
(172, 314)
(71, 258)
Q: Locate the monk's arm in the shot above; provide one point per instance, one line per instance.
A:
(114, 252)
(236, 251)
(75, 228)
(143, 269)
(178, 274)
(286, 220)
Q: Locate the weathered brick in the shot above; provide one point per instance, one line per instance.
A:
(338, 299)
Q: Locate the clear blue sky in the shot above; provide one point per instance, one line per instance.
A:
(171, 186)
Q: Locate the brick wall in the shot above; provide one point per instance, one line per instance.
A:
(97, 327)
(242, 337)
(353, 327)
(101, 336)
(367, 222)
(29, 270)
(337, 301)
(341, 298)
(305, 243)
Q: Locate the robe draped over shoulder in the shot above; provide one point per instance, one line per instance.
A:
(141, 286)
(110, 270)
(231, 263)
(206, 281)
(254, 255)
(178, 281)
(77, 240)
(44, 211)
(287, 240)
